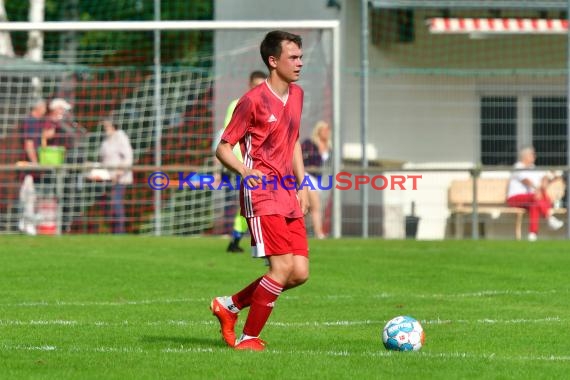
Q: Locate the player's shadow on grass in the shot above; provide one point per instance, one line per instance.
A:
(183, 340)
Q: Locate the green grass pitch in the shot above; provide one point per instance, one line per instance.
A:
(105, 307)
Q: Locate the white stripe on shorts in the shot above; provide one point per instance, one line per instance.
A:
(258, 250)
(248, 162)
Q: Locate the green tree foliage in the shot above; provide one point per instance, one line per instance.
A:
(121, 48)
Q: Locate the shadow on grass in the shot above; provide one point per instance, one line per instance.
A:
(183, 341)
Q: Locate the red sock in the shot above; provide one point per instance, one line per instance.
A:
(262, 302)
(242, 299)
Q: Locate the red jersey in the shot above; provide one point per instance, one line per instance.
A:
(267, 129)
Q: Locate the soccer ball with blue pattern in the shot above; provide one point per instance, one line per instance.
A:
(403, 333)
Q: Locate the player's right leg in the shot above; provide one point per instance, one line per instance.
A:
(262, 302)
(299, 247)
(284, 242)
(291, 270)
(300, 273)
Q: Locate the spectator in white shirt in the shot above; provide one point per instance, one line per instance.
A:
(117, 154)
(527, 189)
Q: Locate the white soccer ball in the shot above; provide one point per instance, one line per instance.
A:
(403, 333)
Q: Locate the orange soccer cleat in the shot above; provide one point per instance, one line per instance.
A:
(227, 321)
(253, 344)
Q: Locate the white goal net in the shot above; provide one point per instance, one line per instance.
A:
(171, 121)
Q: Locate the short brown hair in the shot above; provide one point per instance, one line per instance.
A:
(257, 75)
(271, 44)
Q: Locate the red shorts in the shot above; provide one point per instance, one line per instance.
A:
(278, 235)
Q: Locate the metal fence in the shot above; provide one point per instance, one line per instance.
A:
(404, 203)
(438, 89)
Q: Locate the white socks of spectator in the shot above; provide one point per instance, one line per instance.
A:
(553, 223)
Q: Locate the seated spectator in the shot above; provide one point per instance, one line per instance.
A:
(527, 189)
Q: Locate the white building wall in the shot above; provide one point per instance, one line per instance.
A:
(421, 119)
(430, 120)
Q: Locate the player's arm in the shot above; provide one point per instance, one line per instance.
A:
(299, 172)
(234, 131)
(224, 153)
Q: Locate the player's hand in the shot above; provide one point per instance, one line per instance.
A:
(303, 196)
(252, 177)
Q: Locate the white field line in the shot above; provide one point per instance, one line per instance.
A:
(546, 320)
(491, 293)
(21, 347)
(313, 324)
(332, 297)
(478, 294)
(107, 303)
(297, 353)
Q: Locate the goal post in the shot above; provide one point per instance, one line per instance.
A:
(88, 26)
(158, 93)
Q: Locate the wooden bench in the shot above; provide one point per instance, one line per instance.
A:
(491, 201)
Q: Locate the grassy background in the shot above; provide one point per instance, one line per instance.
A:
(137, 308)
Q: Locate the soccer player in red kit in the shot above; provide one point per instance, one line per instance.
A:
(266, 123)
